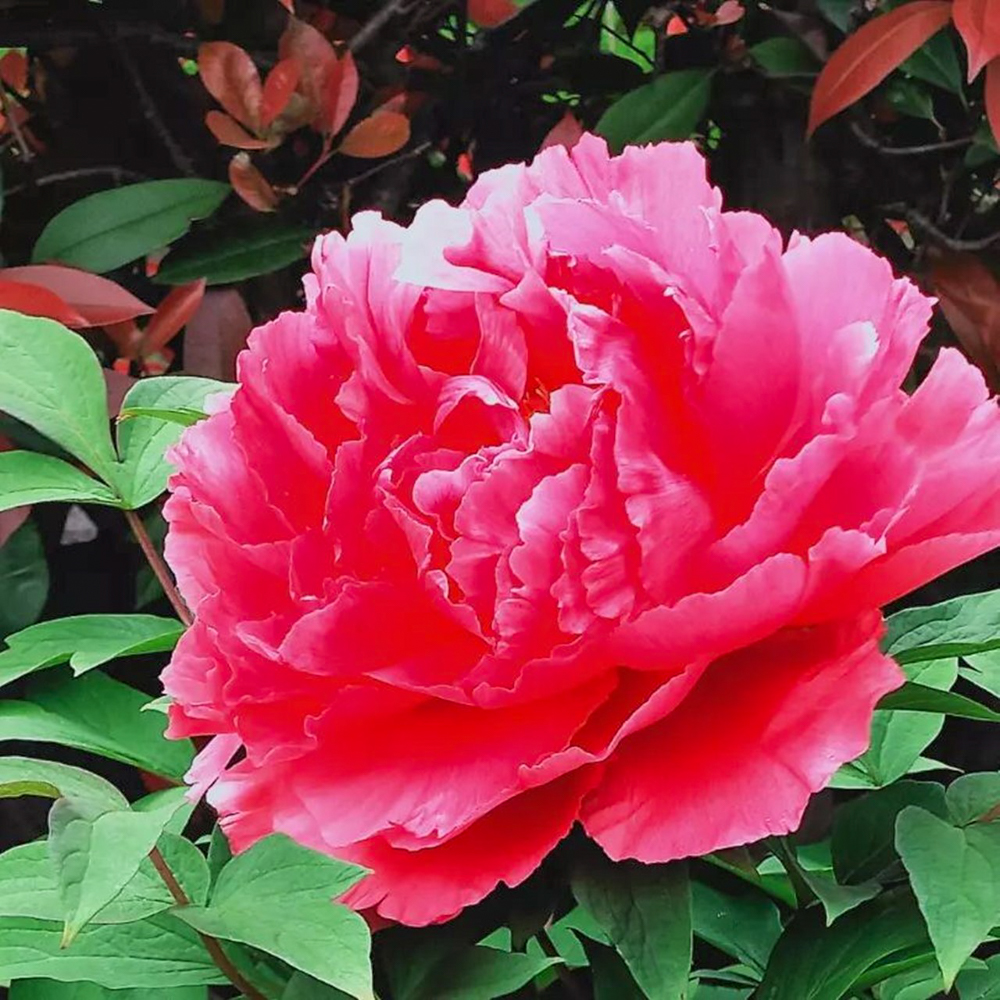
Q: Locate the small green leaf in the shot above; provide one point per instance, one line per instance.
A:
(278, 897)
(784, 56)
(264, 245)
(983, 670)
(48, 989)
(106, 230)
(97, 714)
(973, 796)
(645, 910)
(965, 625)
(668, 108)
(837, 899)
(955, 874)
(917, 698)
(50, 379)
(744, 926)
(936, 61)
(481, 973)
(95, 853)
(186, 418)
(980, 984)
(85, 641)
(144, 439)
(27, 477)
(24, 579)
(26, 776)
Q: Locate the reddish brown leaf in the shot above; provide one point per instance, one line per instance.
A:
(126, 336)
(172, 315)
(676, 26)
(287, 4)
(315, 58)
(566, 132)
(98, 300)
(278, 88)
(211, 11)
(116, 386)
(992, 93)
(14, 70)
(729, 12)
(251, 185)
(970, 299)
(230, 132)
(230, 76)
(10, 520)
(216, 334)
(869, 55)
(340, 92)
(378, 135)
(34, 301)
(978, 22)
(490, 13)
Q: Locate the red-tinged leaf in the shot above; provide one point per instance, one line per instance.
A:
(230, 76)
(251, 185)
(287, 4)
(172, 315)
(126, 336)
(278, 88)
(969, 293)
(490, 13)
(211, 11)
(978, 22)
(316, 59)
(98, 300)
(378, 135)
(566, 132)
(35, 301)
(729, 12)
(340, 93)
(993, 97)
(216, 334)
(116, 386)
(869, 55)
(230, 132)
(676, 26)
(14, 70)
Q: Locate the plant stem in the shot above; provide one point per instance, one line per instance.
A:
(211, 944)
(159, 567)
(565, 976)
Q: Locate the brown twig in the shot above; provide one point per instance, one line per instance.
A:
(22, 144)
(931, 147)
(376, 23)
(211, 944)
(920, 221)
(117, 174)
(159, 567)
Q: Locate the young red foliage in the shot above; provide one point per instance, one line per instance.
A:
(172, 315)
(14, 70)
(328, 84)
(278, 88)
(340, 93)
(490, 13)
(379, 135)
(992, 94)
(869, 55)
(566, 132)
(35, 301)
(978, 22)
(230, 132)
(251, 185)
(230, 76)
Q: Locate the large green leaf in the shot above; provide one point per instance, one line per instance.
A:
(46, 778)
(85, 641)
(980, 984)
(100, 715)
(668, 108)
(813, 962)
(27, 477)
(24, 579)
(645, 910)
(918, 698)
(983, 670)
(157, 953)
(278, 897)
(955, 874)
(49, 989)
(969, 624)
(783, 55)
(744, 926)
(50, 379)
(936, 61)
(264, 245)
(973, 796)
(95, 853)
(29, 886)
(303, 987)
(481, 973)
(106, 230)
(143, 440)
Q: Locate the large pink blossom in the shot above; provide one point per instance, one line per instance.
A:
(576, 503)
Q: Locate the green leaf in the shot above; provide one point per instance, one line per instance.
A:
(936, 62)
(668, 108)
(260, 247)
(143, 440)
(157, 953)
(303, 987)
(744, 926)
(96, 853)
(277, 896)
(973, 796)
(784, 56)
(917, 698)
(106, 230)
(980, 984)
(28, 477)
(611, 978)
(24, 579)
(983, 670)
(186, 418)
(955, 874)
(645, 910)
(48, 989)
(813, 962)
(85, 641)
(29, 886)
(837, 899)
(26, 776)
(51, 380)
(965, 625)
(482, 973)
(864, 830)
(97, 714)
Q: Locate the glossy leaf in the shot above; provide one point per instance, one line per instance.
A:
(251, 185)
(490, 13)
(85, 642)
(172, 315)
(14, 70)
(936, 62)
(278, 88)
(668, 108)
(28, 477)
(783, 56)
(112, 228)
(917, 698)
(230, 76)
(978, 22)
(955, 874)
(379, 135)
(34, 300)
(24, 579)
(26, 776)
(326, 85)
(745, 926)
(229, 132)
(97, 300)
(871, 53)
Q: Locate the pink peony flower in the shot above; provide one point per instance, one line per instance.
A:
(576, 503)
